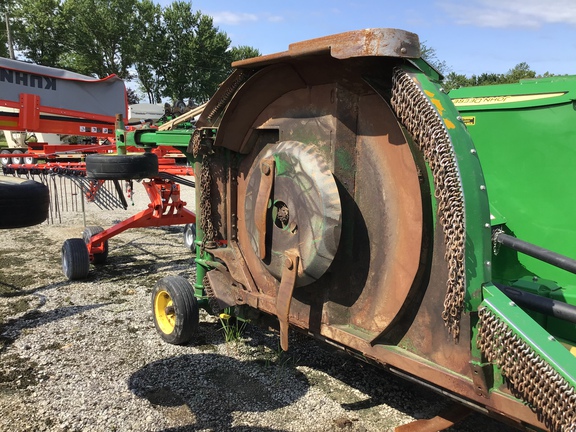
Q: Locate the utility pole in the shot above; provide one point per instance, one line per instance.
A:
(8, 32)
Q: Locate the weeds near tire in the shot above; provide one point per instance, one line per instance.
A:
(232, 328)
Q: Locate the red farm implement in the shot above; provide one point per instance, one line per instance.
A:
(36, 100)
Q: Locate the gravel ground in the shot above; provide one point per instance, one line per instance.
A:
(84, 356)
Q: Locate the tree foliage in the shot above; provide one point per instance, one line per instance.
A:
(173, 52)
(5, 11)
(39, 30)
(518, 72)
(430, 55)
(454, 80)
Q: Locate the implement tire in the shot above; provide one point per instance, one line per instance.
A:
(190, 237)
(89, 232)
(175, 310)
(121, 167)
(75, 259)
(22, 202)
(5, 160)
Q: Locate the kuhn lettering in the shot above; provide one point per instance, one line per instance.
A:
(26, 79)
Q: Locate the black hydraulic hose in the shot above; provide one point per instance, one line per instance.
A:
(536, 303)
(537, 252)
(176, 179)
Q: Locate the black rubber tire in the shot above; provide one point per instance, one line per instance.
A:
(190, 237)
(75, 259)
(178, 325)
(5, 160)
(23, 202)
(17, 160)
(87, 234)
(121, 167)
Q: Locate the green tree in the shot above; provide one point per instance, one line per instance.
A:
(454, 80)
(243, 52)
(39, 30)
(132, 96)
(211, 61)
(101, 36)
(518, 72)
(198, 60)
(194, 57)
(7, 21)
(152, 51)
(429, 54)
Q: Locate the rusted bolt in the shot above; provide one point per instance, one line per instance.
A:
(169, 310)
(289, 264)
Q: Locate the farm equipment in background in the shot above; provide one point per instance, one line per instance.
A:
(160, 178)
(40, 99)
(42, 106)
(340, 194)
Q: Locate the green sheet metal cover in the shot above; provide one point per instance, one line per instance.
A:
(525, 134)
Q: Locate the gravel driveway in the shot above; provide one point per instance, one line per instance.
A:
(84, 356)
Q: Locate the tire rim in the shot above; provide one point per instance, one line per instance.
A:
(190, 237)
(5, 160)
(164, 312)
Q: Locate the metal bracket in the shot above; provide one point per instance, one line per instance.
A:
(267, 168)
(284, 298)
(481, 372)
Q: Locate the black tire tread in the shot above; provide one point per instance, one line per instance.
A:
(185, 308)
(75, 252)
(121, 167)
(23, 202)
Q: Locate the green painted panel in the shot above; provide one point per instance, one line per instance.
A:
(527, 154)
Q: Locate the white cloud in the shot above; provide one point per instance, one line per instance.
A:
(511, 13)
(233, 18)
(275, 18)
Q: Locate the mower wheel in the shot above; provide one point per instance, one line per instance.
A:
(175, 310)
(75, 259)
(190, 236)
(87, 234)
(23, 202)
(121, 167)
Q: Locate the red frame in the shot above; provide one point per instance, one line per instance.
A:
(165, 208)
(29, 119)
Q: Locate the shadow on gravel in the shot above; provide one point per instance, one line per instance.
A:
(210, 387)
(11, 329)
(379, 387)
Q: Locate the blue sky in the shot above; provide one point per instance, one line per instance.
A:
(472, 36)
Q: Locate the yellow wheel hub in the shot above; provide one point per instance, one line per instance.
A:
(164, 312)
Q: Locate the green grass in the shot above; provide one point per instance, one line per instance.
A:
(232, 328)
